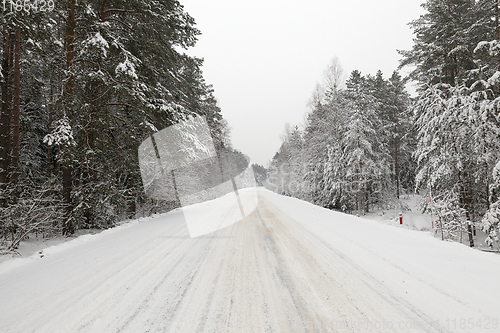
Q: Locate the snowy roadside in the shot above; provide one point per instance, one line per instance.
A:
(37, 247)
(414, 219)
(35, 243)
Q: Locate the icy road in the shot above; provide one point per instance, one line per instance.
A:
(287, 267)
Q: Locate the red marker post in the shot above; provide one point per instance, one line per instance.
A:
(400, 218)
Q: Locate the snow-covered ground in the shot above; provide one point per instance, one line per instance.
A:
(414, 219)
(37, 242)
(288, 266)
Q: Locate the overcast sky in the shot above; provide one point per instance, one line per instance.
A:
(264, 57)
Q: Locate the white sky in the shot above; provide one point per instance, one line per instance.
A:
(264, 57)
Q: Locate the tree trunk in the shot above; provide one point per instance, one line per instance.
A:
(69, 227)
(396, 160)
(497, 29)
(471, 213)
(49, 128)
(465, 203)
(470, 233)
(132, 206)
(16, 106)
(70, 50)
(463, 195)
(5, 116)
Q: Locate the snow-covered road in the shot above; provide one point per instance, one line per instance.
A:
(287, 267)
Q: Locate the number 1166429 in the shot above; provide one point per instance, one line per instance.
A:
(27, 6)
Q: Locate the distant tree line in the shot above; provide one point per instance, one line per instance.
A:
(260, 173)
(82, 86)
(355, 150)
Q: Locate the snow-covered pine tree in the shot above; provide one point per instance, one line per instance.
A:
(491, 220)
(402, 134)
(456, 59)
(457, 145)
(445, 37)
(111, 73)
(118, 87)
(347, 162)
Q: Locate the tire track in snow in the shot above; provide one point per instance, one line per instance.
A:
(374, 300)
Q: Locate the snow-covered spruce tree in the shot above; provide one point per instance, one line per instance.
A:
(402, 134)
(324, 179)
(296, 166)
(366, 158)
(321, 136)
(392, 108)
(273, 179)
(286, 171)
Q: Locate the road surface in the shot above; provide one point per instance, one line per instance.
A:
(267, 273)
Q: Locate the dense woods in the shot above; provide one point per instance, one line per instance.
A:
(367, 140)
(82, 86)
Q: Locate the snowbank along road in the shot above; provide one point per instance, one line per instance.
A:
(287, 267)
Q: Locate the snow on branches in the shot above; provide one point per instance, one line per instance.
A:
(491, 220)
(457, 146)
(62, 134)
(62, 138)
